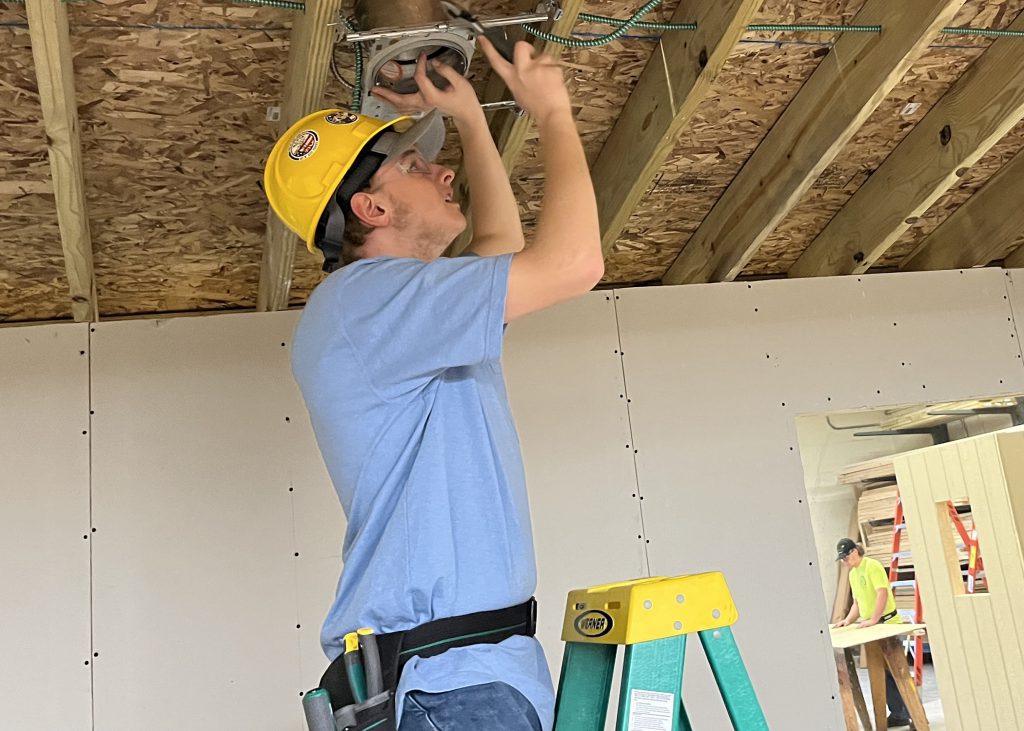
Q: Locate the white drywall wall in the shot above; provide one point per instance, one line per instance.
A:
(45, 676)
(717, 374)
(206, 480)
(195, 572)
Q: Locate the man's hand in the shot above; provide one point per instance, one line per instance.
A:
(867, 623)
(535, 80)
(841, 623)
(458, 101)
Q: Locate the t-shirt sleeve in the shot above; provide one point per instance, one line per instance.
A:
(409, 320)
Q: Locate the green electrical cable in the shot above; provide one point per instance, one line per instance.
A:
(646, 25)
(988, 32)
(773, 27)
(286, 4)
(577, 43)
(356, 105)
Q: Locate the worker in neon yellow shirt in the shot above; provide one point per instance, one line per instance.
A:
(873, 603)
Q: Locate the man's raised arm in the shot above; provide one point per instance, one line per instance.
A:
(565, 259)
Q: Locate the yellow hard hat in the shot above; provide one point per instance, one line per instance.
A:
(312, 159)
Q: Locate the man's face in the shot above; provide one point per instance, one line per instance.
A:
(852, 559)
(421, 193)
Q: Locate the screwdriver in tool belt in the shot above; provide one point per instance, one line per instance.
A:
(354, 667)
(371, 661)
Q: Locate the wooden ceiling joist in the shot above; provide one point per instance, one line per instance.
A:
(845, 88)
(51, 52)
(980, 230)
(677, 77)
(510, 131)
(979, 108)
(1016, 259)
(312, 42)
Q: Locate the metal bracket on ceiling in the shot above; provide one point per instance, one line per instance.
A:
(553, 8)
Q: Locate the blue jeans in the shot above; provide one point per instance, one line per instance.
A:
(496, 706)
(893, 699)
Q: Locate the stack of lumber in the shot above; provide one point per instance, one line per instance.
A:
(876, 511)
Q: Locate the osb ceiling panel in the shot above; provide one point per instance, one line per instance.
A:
(174, 134)
(173, 98)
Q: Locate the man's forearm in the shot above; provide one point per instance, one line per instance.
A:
(568, 224)
(497, 228)
(881, 599)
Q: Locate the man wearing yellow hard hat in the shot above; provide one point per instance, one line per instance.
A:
(398, 355)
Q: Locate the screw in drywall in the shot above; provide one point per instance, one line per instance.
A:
(945, 135)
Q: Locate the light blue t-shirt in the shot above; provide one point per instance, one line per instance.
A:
(399, 364)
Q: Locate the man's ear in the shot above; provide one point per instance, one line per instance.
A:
(368, 209)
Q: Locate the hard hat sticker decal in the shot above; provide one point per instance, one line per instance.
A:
(341, 117)
(304, 145)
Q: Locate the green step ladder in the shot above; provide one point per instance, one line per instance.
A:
(652, 618)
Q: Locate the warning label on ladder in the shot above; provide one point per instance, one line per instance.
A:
(650, 710)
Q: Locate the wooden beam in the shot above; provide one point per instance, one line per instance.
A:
(979, 108)
(677, 77)
(980, 230)
(509, 130)
(312, 42)
(845, 88)
(51, 51)
(1015, 260)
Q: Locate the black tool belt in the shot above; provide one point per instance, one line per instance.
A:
(887, 617)
(426, 640)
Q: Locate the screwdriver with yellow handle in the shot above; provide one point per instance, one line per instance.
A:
(354, 667)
